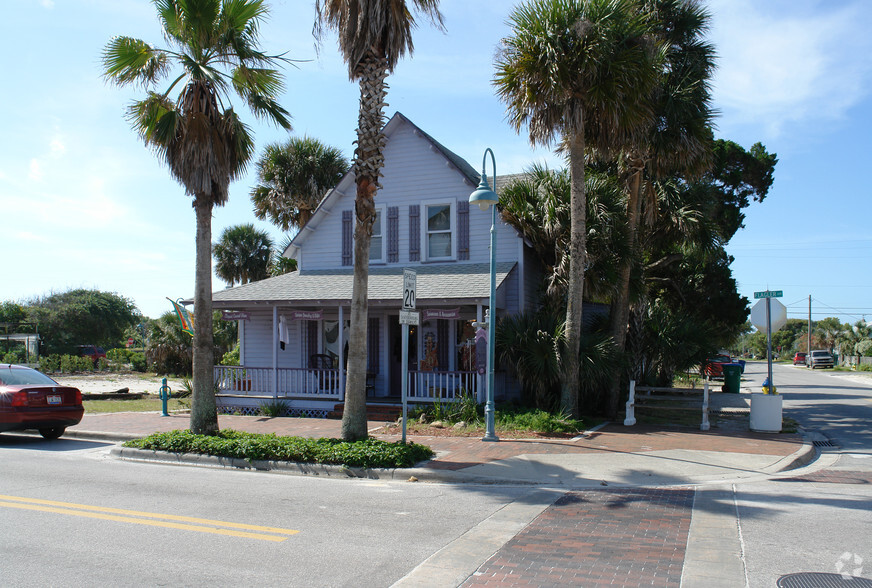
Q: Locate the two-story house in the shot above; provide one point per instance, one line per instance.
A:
(293, 328)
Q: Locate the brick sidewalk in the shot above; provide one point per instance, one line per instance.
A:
(633, 537)
(456, 453)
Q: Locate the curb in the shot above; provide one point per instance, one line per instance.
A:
(306, 469)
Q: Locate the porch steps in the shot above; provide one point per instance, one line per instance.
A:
(374, 412)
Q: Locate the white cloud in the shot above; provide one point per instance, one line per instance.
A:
(47, 4)
(788, 63)
(35, 172)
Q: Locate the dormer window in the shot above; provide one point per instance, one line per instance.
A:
(439, 230)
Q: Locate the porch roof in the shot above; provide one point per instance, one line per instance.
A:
(452, 283)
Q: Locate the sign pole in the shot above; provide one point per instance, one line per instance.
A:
(407, 316)
(769, 342)
(405, 377)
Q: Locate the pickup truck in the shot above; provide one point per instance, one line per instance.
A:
(820, 358)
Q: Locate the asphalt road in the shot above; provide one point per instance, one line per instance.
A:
(818, 523)
(70, 516)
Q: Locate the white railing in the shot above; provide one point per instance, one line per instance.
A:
(292, 382)
(432, 386)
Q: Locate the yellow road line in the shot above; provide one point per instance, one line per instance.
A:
(112, 514)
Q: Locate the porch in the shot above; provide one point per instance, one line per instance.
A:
(314, 392)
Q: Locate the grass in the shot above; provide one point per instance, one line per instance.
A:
(368, 453)
(146, 404)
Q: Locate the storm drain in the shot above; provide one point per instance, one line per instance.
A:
(822, 580)
(823, 443)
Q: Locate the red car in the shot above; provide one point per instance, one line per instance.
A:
(799, 358)
(32, 400)
(713, 366)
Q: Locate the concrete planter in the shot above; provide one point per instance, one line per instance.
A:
(766, 412)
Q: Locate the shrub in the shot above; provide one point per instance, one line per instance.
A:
(138, 362)
(368, 453)
(72, 363)
(273, 408)
(119, 354)
(49, 363)
(231, 357)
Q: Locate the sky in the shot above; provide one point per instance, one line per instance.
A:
(84, 204)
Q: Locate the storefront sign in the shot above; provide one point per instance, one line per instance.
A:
(442, 313)
(235, 315)
(307, 315)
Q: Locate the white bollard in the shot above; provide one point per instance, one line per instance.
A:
(705, 426)
(631, 406)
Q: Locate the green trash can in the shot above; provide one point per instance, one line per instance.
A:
(732, 377)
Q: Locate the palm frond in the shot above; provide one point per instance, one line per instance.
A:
(131, 61)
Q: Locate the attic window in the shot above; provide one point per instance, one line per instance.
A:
(439, 230)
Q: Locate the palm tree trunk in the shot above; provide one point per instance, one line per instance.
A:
(204, 415)
(368, 162)
(620, 309)
(575, 289)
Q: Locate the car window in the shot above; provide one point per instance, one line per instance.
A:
(25, 377)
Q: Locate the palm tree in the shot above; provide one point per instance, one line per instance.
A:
(198, 133)
(281, 264)
(678, 140)
(243, 254)
(578, 71)
(292, 178)
(373, 36)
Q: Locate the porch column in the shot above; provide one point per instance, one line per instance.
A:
(275, 352)
(479, 378)
(341, 354)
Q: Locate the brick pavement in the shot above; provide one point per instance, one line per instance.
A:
(621, 537)
(456, 453)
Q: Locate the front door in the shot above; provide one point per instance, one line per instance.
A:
(395, 341)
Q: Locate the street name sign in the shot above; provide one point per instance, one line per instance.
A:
(769, 294)
(408, 317)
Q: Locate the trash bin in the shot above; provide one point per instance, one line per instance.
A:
(732, 377)
(741, 363)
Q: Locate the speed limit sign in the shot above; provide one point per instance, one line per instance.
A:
(409, 288)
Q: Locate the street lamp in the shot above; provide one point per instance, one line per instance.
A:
(485, 197)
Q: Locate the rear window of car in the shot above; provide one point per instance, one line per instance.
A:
(24, 377)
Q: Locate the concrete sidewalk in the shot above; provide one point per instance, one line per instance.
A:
(614, 455)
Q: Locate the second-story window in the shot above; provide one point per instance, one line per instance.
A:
(376, 245)
(439, 231)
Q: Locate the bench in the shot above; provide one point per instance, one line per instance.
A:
(665, 398)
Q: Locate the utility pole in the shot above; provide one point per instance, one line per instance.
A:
(809, 330)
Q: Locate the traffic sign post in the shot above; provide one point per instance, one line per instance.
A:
(770, 322)
(408, 316)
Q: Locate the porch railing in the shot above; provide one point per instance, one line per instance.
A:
(432, 386)
(292, 382)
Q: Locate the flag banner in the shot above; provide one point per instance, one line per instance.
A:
(185, 319)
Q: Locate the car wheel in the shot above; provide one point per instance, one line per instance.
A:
(52, 432)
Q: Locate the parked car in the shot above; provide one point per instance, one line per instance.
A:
(31, 400)
(714, 366)
(799, 358)
(93, 352)
(820, 358)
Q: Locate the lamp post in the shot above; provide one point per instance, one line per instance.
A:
(485, 197)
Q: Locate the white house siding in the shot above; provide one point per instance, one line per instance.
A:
(414, 172)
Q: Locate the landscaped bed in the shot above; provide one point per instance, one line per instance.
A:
(368, 453)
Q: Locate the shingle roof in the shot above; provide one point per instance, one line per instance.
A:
(449, 282)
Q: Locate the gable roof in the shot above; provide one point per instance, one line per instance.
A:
(347, 185)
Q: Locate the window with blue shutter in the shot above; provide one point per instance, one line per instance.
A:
(463, 230)
(415, 233)
(347, 227)
(393, 234)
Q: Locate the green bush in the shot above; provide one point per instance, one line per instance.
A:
(71, 363)
(368, 453)
(119, 354)
(231, 357)
(273, 408)
(524, 419)
(49, 363)
(138, 362)
(12, 357)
